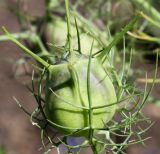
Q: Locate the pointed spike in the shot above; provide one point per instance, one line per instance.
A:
(78, 37)
(68, 29)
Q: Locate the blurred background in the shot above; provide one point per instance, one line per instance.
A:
(17, 135)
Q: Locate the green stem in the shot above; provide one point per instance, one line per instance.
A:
(69, 31)
(90, 27)
(20, 36)
(26, 50)
(78, 37)
(26, 36)
(89, 96)
(41, 45)
(147, 7)
(102, 56)
(91, 131)
(149, 19)
(49, 6)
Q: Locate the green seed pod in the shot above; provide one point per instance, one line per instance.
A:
(55, 32)
(68, 105)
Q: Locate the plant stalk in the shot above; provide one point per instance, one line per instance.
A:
(102, 56)
(21, 36)
(25, 49)
(147, 8)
